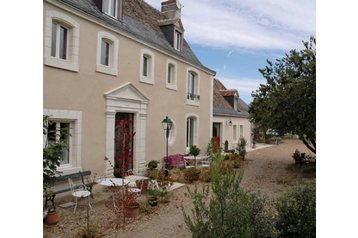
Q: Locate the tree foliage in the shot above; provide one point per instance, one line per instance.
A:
(287, 102)
(52, 152)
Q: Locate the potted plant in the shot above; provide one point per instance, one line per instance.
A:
(194, 150)
(153, 164)
(52, 216)
(152, 170)
(131, 206)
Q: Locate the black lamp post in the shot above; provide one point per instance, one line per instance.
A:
(167, 126)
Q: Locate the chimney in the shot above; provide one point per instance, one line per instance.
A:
(171, 9)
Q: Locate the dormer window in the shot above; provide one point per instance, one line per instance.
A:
(110, 7)
(178, 40)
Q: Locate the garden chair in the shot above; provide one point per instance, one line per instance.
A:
(206, 163)
(79, 191)
(188, 163)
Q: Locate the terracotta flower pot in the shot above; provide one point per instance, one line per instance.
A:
(143, 184)
(52, 217)
(132, 210)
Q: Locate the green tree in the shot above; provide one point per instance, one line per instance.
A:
(287, 102)
(52, 152)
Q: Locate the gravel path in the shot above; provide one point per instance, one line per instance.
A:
(265, 171)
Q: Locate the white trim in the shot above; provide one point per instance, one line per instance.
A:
(127, 99)
(112, 68)
(197, 85)
(174, 83)
(196, 130)
(115, 8)
(71, 63)
(150, 70)
(180, 33)
(75, 117)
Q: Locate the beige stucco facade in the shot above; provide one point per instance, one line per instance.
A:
(90, 99)
(231, 129)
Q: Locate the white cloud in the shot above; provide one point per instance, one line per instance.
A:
(245, 86)
(247, 24)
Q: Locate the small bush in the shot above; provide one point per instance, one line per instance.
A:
(297, 212)
(241, 148)
(153, 164)
(194, 150)
(191, 174)
(205, 175)
(91, 230)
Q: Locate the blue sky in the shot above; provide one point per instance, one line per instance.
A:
(235, 37)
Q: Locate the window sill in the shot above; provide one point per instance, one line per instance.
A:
(146, 80)
(68, 169)
(60, 63)
(106, 70)
(172, 87)
(192, 103)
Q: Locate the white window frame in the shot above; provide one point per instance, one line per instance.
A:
(112, 67)
(73, 34)
(234, 133)
(57, 45)
(178, 40)
(189, 100)
(111, 4)
(75, 120)
(173, 84)
(195, 130)
(149, 79)
(241, 131)
(58, 135)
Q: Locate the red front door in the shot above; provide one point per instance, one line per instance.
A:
(124, 135)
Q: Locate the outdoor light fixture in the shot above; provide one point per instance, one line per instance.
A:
(167, 126)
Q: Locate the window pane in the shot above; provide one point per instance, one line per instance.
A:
(113, 7)
(178, 37)
(170, 73)
(105, 6)
(53, 39)
(145, 66)
(65, 137)
(104, 53)
(63, 42)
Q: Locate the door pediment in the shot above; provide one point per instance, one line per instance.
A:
(128, 92)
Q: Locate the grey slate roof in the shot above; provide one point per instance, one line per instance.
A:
(217, 111)
(222, 108)
(136, 28)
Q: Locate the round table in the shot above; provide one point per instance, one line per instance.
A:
(114, 182)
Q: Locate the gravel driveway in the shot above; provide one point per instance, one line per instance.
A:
(265, 171)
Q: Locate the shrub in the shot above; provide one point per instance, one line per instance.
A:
(213, 148)
(297, 212)
(194, 150)
(191, 174)
(231, 212)
(205, 175)
(241, 147)
(153, 164)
